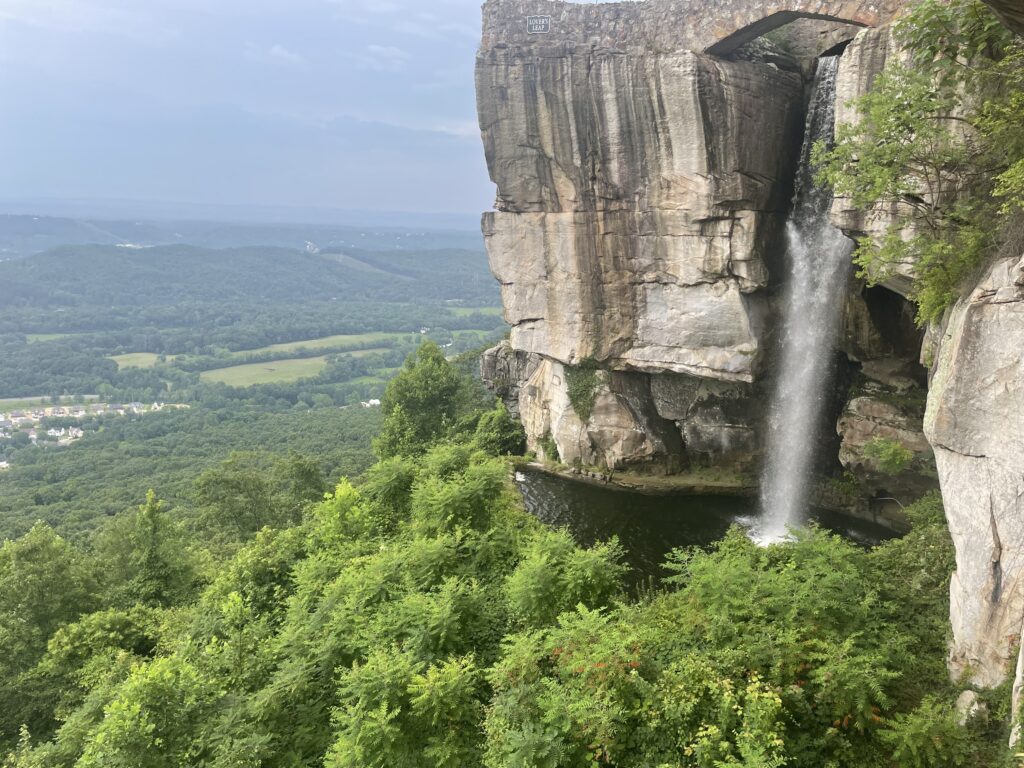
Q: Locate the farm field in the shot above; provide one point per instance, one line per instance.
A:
(342, 342)
(274, 372)
(467, 311)
(136, 360)
(47, 336)
(331, 342)
(381, 376)
(21, 403)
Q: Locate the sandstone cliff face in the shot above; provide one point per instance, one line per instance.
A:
(640, 196)
(975, 421)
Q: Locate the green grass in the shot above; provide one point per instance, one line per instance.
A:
(22, 403)
(467, 311)
(136, 360)
(31, 337)
(274, 372)
(341, 341)
(380, 376)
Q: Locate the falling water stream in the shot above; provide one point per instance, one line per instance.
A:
(818, 260)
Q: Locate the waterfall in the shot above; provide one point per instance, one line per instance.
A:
(818, 260)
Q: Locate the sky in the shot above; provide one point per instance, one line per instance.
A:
(328, 104)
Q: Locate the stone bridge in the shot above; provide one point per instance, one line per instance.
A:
(713, 26)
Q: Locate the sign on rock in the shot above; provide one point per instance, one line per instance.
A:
(538, 25)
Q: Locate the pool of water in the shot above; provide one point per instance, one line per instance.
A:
(649, 526)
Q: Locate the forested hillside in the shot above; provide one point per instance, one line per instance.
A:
(85, 275)
(25, 235)
(420, 618)
(271, 349)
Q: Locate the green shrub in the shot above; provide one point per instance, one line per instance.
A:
(499, 434)
(891, 456)
(582, 382)
(550, 448)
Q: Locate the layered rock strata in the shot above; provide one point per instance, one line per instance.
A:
(640, 197)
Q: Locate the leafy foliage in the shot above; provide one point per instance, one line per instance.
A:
(891, 456)
(939, 145)
(582, 382)
(419, 617)
(500, 434)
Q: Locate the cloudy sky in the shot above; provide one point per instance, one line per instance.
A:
(363, 104)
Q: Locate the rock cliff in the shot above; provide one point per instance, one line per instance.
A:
(975, 422)
(641, 196)
(1011, 12)
(642, 189)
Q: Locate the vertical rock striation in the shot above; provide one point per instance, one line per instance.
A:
(641, 194)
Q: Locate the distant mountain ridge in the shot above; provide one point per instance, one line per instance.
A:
(23, 235)
(114, 275)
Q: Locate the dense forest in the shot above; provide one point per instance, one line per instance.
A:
(419, 617)
(99, 275)
(272, 349)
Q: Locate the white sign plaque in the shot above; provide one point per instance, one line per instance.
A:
(538, 25)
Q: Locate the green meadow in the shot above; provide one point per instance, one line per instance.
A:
(136, 360)
(273, 372)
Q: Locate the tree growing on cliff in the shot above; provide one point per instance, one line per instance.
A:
(939, 143)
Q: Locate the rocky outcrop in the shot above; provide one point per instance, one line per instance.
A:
(505, 369)
(975, 422)
(1010, 12)
(862, 62)
(638, 200)
(718, 420)
(641, 197)
(876, 418)
(883, 444)
(620, 430)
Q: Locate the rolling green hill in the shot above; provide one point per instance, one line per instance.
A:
(106, 275)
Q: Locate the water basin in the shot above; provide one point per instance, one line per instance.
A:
(651, 525)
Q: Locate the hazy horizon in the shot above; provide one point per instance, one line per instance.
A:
(169, 211)
(316, 105)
